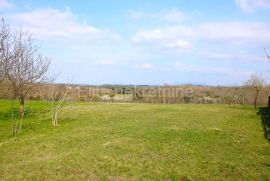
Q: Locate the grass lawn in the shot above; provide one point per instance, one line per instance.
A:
(98, 141)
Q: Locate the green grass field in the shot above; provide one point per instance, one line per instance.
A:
(98, 141)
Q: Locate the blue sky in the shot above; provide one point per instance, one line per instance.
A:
(214, 42)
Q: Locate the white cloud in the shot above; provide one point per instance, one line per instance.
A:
(146, 66)
(53, 23)
(105, 62)
(148, 36)
(179, 44)
(174, 16)
(172, 37)
(252, 5)
(171, 15)
(234, 34)
(5, 4)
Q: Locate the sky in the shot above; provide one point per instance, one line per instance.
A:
(154, 42)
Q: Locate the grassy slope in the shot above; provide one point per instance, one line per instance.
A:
(134, 142)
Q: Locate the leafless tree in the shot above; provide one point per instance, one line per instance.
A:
(257, 83)
(56, 96)
(22, 65)
(5, 38)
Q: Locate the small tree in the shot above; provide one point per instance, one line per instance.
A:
(255, 82)
(22, 66)
(56, 96)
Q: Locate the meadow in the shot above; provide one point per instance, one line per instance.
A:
(129, 141)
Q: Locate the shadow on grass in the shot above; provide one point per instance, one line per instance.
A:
(264, 112)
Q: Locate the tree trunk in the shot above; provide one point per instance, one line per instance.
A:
(256, 98)
(22, 107)
(12, 119)
(21, 113)
(54, 117)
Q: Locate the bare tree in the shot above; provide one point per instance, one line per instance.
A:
(5, 38)
(22, 65)
(56, 96)
(255, 82)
